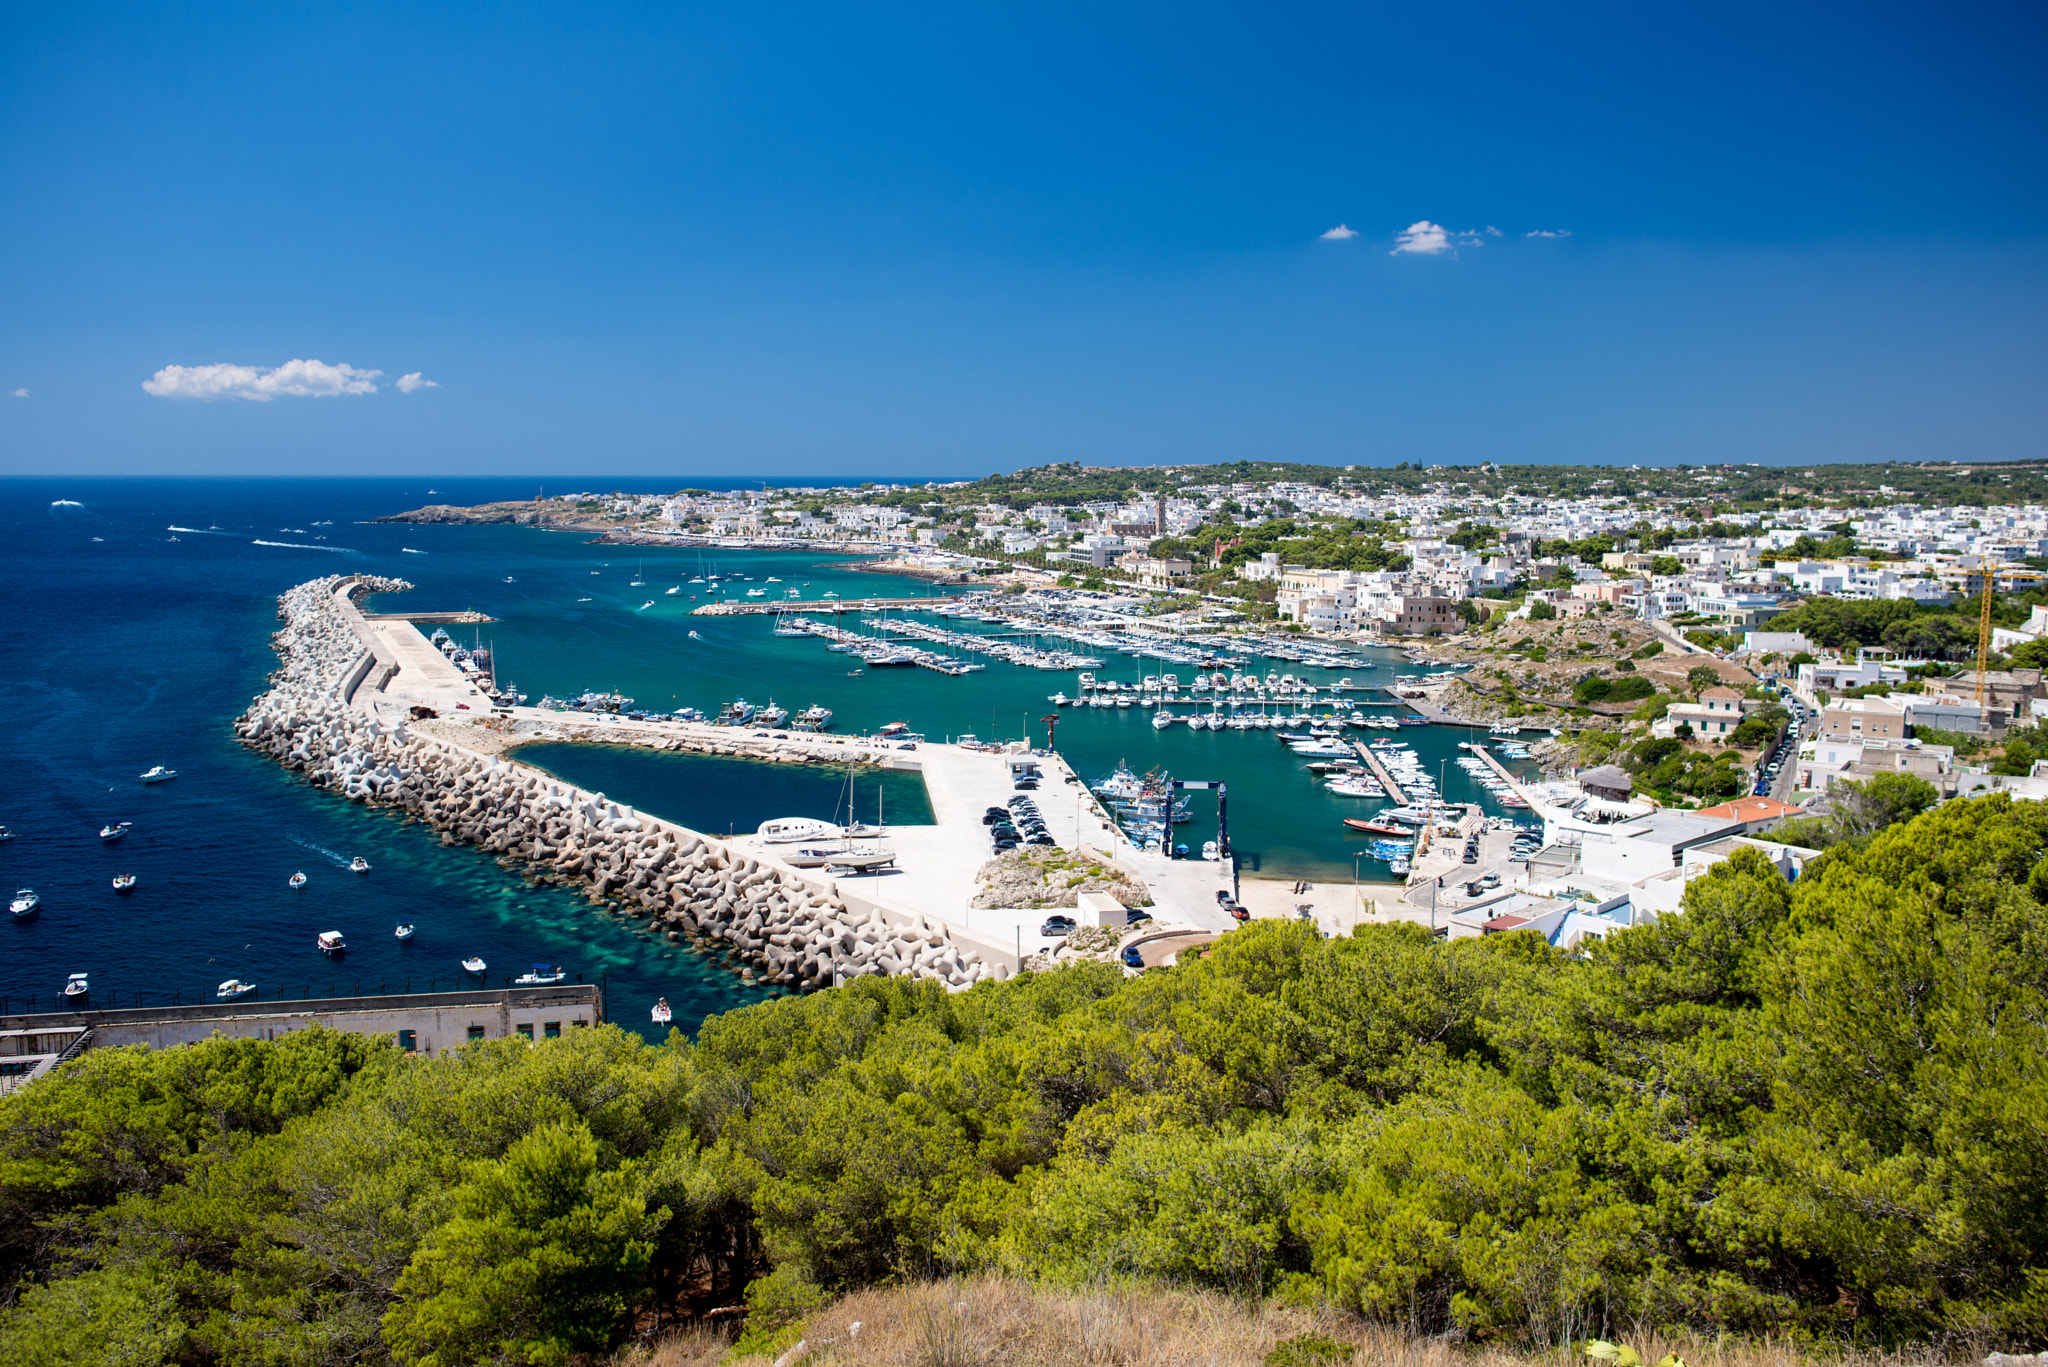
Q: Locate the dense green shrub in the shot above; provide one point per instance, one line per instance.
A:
(1817, 1110)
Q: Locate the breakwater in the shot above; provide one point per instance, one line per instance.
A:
(791, 928)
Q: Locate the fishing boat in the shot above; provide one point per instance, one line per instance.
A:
(473, 964)
(771, 715)
(329, 942)
(232, 988)
(25, 902)
(541, 975)
(123, 882)
(157, 774)
(297, 880)
(116, 830)
(660, 1014)
(813, 718)
(76, 985)
(358, 865)
(404, 932)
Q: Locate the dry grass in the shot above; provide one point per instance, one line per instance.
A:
(993, 1322)
(692, 1348)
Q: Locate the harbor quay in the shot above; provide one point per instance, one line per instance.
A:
(348, 708)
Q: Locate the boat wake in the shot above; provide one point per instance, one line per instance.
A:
(304, 546)
(339, 860)
(65, 503)
(199, 531)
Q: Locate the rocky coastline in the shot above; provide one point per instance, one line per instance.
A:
(782, 927)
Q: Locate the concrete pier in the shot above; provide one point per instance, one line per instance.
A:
(1380, 772)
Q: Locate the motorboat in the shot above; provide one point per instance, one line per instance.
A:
(232, 988)
(330, 942)
(157, 774)
(472, 964)
(6, 834)
(358, 865)
(116, 830)
(1209, 850)
(297, 880)
(788, 830)
(660, 1014)
(76, 985)
(25, 902)
(404, 932)
(1373, 827)
(541, 974)
(123, 882)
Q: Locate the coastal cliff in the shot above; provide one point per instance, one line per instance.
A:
(791, 930)
(483, 514)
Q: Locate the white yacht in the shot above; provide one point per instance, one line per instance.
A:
(157, 774)
(115, 830)
(789, 830)
(541, 975)
(25, 902)
(473, 964)
(232, 988)
(660, 1014)
(1162, 719)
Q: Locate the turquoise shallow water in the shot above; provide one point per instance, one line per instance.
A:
(123, 648)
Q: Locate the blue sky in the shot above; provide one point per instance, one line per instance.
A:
(948, 240)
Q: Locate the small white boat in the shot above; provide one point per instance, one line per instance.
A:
(6, 834)
(358, 865)
(541, 975)
(473, 964)
(329, 942)
(123, 882)
(232, 988)
(116, 830)
(644, 606)
(297, 880)
(510, 580)
(1209, 850)
(660, 1014)
(76, 986)
(404, 932)
(157, 774)
(25, 902)
(674, 591)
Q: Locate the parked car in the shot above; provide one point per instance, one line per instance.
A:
(1136, 916)
(1132, 958)
(1057, 925)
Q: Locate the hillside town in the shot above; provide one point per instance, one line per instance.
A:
(1654, 617)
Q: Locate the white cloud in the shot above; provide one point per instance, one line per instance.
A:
(261, 384)
(408, 383)
(1422, 238)
(18, 394)
(1546, 232)
(1339, 233)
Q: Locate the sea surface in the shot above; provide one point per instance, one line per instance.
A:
(140, 628)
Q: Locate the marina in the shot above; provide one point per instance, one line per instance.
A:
(563, 633)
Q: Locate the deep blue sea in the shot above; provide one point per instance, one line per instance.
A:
(126, 648)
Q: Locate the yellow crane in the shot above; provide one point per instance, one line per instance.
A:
(1991, 578)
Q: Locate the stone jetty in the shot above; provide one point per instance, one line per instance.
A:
(784, 926)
